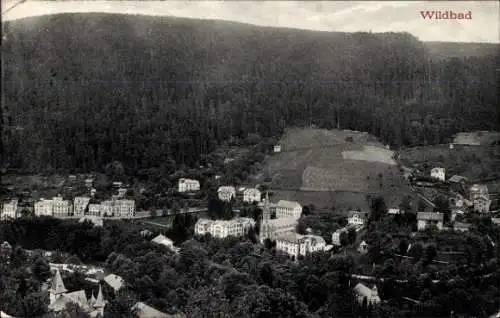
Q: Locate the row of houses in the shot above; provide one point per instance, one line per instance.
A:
(81, 206)
(224, 193)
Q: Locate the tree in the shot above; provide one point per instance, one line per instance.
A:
(344, 239)
(351, 235)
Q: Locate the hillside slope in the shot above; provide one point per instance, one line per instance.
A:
(82, 90)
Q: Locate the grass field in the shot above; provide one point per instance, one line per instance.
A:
(333, 168)
(484, 138)
(335, 160)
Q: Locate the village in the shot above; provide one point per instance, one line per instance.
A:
(277, 228)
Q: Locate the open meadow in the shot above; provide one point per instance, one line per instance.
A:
(332, 168)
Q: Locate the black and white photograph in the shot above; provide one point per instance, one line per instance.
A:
(234, 159)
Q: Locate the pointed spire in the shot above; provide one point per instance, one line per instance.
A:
(99, 302)
(92, 300)
(57, 286)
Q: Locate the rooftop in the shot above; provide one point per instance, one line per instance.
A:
(430, 216)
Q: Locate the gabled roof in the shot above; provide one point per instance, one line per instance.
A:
(430, 216)
(162, 239)
(77, 297)
(115, 281)
(144, 311)
(350, 214)
(289, 204)
(99, 301)
(457, 178)
(363, 291)
(57, 286)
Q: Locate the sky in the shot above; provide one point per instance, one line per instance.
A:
(344, 16)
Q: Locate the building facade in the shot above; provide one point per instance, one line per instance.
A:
(124, 208)
(43, 208)
(370, 294)
(251, 195)
(287, 209)
(80, 205)
(188, 185)
(356, 218)
(226, 193)
(271, 228)
(429, 219)
(295, 244)
(438, 173)
(61, 208)
(9, 210)
(478, 190)
(481, 204)
(236, 227)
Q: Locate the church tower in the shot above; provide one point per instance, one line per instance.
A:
(57, 288)
(264, 224)
(99, 303)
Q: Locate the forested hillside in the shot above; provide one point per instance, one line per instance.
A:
(83, 90)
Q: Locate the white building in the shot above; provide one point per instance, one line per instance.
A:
(89, 182)
(427, 219)
(277, 148)
(114, 281)
(481, 204)
(106, 208)
(295, 244)
(363, 247)
(356, 218)
(124, 208)
(478, 190)
(394, 211)
(121, 192)
(163, 240)
(224, 228)
(336, 235)
(226, 193)
(94, 209)
(288, 209)
(188, 185)
(9, 210)
(43, 207)
(371, 295)
(80, 205)
(438, 173)
(61, 208)
(251, 195)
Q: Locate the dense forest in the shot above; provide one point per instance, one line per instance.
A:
(83, 90)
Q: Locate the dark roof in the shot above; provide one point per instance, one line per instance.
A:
(457, 178)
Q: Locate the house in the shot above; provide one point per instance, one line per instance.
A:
(478, 190)
(427, 219)
(121, 192)
(363, 248)
(394, 211)
(124, 208)
(251, 195)
(287, 209)
(457, 179)
(9, 210)
(226, 193)
(163, 240)
(277, 148)
(141, 310)
(461, 226)
(60, 298)
(295, 244)
(271, 228)
(481, 204)
(336, 235)
(114, 281)
(92, 192)
(117, 184)
(89, 182)
(61, 208)
(5, 251)
(363, 292)
(236, 227)
(43, 207)
(94, 209)
(495, 221)
(72, 177)
(356, 218)
(438, 173)
(188, 185)
(80, 205)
